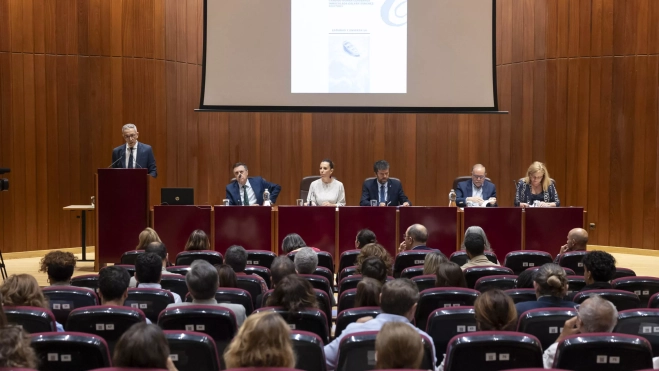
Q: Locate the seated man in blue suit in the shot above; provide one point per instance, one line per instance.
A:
(248, 191)
(477, 190)
(388, 192)
(133, 155)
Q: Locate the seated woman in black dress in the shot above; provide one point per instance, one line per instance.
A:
(536, 186)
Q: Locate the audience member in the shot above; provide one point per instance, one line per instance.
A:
(449, 274)
(113, 286)
(203, 281)
(593, 315)
(415, 238)
(22, 290)
(577, 240)
(368, 293)
(599, 268)
(143, 346)
(374, 249)
(432, 262)
(398, 302)
(198, 240)
(3, 317)
(475, 245)
(374, 267)
(293, 242)
(550, 283)
(59, 266)
(15, 349)
(479, 231)
(525, 279)
(148, 272)
(236, 258)
(263, 341)
(398, 346)
(293, 293)
(364, 237)
(147, 236)
(306, 261)
(159, 249)
(281, 267)
(227, 275)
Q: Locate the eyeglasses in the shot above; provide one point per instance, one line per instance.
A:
(478, 177)
(130, 136)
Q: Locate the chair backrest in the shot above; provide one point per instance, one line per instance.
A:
(501, 282)
(546, 324)
(325, 272)
(351, 315)
(623, 272)
(603, 352)
(642, 286)
(425, 281)
(232, 295)
(462, 179)
(349, 282)
(130, 257)
(318, 282)
(262, 258)
(621, 299)
(640, 322)
(213, 320)
(493, 350)
(347, 300)
(63, 299)
(309, 351)
(575, 284)
(409, 259)
(445, 323)
(520, 295)
(573, 260)
(325, 259)
(128, 267)
(460, 257)
(305, 183)
(86, 280)
(654, 301)
(262, 272)
(32, 319)
(348, 259)
(174, 283)
(442, 297)
(70, 351)
(411, 272)
(520, 260)
(106, 321)
(187, 257)
(179, 269)
(149, 301)
(474, 273)
(311, 320)
(251, 284)
(346, 272)
(192, 351)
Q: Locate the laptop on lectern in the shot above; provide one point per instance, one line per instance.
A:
(177, 196)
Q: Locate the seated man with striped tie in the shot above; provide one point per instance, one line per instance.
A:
(248, 191)
(133, 155)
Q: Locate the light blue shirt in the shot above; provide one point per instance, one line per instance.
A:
(332, 349)
(177, 297)
(386, 191)
(477, 192)
(59, 326)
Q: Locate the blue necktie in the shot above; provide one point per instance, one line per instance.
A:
(130, 159)
(382, 193)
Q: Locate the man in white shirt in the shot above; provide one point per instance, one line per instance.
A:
(148, 271)
(248, 191)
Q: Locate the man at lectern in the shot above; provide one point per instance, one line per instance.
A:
(387, 191)
(248, 191)
(133, 155)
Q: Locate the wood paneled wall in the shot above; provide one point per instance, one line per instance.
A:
(579, 78)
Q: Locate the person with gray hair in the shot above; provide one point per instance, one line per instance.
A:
(415, 238)
(203, 281)
(477, 191)
(306, 261)
(132, 154)
(593, 315)
(479, 231)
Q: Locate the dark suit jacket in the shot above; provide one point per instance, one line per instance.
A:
(258, 184)
(465, 190)
(422, 247)
(395, 194)
(144, 160)
(543, 302)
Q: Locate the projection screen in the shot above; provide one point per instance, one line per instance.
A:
(349, 55)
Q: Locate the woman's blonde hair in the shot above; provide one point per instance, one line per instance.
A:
(147, 236)
(432, 261)
(374, 249)
(15, 349)
(538, 167)
(398, 346)
(22, 290)
(551, 280)
(262, 341)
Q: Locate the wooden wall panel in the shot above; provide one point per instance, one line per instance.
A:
(579, 79)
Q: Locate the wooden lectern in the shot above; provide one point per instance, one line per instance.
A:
(122, 207)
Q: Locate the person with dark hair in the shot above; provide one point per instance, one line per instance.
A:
(398, 302)
(236, 257)
(15, 349)
(415, 238)
(550, 283)
(59, 266)
(364, 237)
(198, 240)
(374, 249)
(475, 246)
(525, 279)
(113, 286)
(293, 293)
(143, 346)
(368, 293)
(227, 275)
(449, 274)
(148, 272)
(326, 191)
(374, 267)
(387, 191)
(248, 191)
(159, 249)
(599, 267)
(398, 346)
(281, 267)
(293, 242)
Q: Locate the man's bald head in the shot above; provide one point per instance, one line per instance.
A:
(418, 233)
(579, 236)
(478, 167)
(597, 315)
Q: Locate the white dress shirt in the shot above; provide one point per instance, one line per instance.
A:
(177, 297)
(127, 156)
(386, 192)
(251, 196)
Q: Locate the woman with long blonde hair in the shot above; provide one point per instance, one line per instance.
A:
(537, 186)
(22, 290)
(147, 236)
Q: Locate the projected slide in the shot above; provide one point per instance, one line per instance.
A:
(348, 46)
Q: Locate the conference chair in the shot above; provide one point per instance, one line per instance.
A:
(89, 281)
(351, 315)
(348, 259)
(623, 272)
(493, 351)
(305, 183)
(521, 260)
(346, 272)
(192, 351)
(262, 272)
(621, 299)
(319, 282)
(411, 272)
(106, 321)
(179, 269)
(70, 351)
(150, 301)
(575, 284)
(32, 319)
(325, 259)
(442, 297)
(462, 179)
(232, 295)
(520, 295)
(568, 271)
(64, 299)
(445, 323)
(251, 284)
(309, 351)
(324, 272)
(347, 300)
(603, 352)
(472, 274)
(349, 282)
(424, 282)
(546, 324)
(640, 322)
(573, 260)
(407, 259)
(653, 302)
(187, 257)
(174, 283)
(460, 257)
(130, 257)
(311, 319)
(262, 258)
(642, 286)
(503, 282)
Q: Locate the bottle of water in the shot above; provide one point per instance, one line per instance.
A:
(266, 198)
(452, 197)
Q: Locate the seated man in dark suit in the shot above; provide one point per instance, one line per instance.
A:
(415, 238)
(388, 192)
(133, 155)
(476, 191)
(248, 191)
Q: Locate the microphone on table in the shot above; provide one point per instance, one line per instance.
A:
(119, 159)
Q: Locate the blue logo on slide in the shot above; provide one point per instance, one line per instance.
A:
(394, 12)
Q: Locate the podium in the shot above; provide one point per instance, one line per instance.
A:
(175, 223)
(502, 225)
(247, 226)
(547, 227)
(315, 224)
(441, 222)
(380, 220)
(122, 203)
